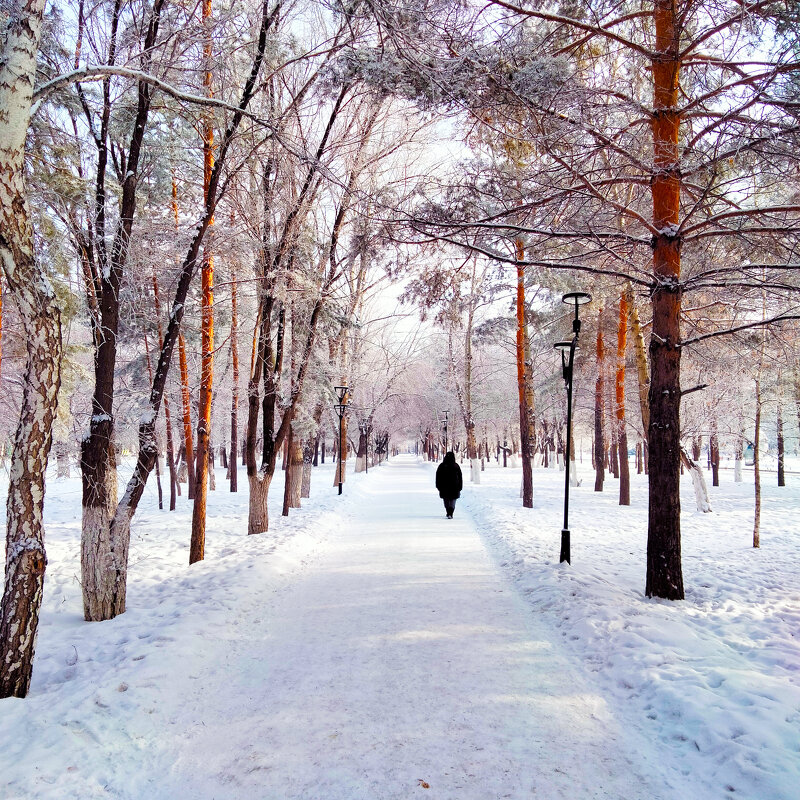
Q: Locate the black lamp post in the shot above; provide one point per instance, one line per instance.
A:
(445, 428)
(567, 349)
(341, 408)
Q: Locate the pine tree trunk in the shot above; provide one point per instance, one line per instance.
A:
(522, 384)
(234, 484)
(41, 323)
(664, 571)
(622, 434)
(599, 394)
(198, 539)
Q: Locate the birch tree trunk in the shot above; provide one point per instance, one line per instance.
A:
(41, 322)
(698, 483)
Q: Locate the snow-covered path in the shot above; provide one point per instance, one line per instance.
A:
(397, 656)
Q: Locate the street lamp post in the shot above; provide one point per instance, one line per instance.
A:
(341, 408)
(567, 349)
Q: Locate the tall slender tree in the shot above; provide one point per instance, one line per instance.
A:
(197, 546)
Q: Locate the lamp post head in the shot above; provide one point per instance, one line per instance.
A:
(340, 409)
(566, 362)
(341, 392)
(577, 299)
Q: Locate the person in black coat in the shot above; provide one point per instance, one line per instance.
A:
(449, 482)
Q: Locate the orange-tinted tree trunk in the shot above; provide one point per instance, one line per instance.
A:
(235, 390)
(622, 434)
(197, 546)
(522, 381)
(664, 572)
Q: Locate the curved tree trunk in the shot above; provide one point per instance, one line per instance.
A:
(698, 483)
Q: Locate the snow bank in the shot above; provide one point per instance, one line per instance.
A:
(713, 680)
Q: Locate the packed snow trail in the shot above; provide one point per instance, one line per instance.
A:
(397, 664)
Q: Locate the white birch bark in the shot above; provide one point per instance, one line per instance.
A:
(698, 483)
(475, 470)
(39, 315)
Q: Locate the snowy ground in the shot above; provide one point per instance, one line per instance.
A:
(369, 649)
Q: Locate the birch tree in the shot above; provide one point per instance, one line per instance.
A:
(35, 301)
